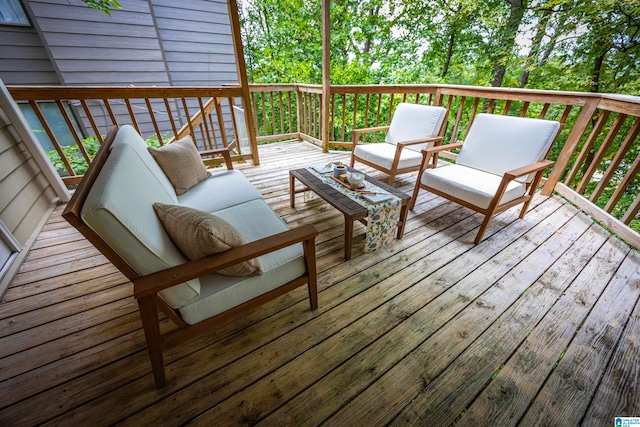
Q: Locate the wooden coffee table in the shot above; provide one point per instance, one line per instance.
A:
(352, 211)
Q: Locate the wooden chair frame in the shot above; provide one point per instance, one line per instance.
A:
(494, 206)
(145, 288)
(394, 170)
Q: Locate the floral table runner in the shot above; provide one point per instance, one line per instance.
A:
(383, 217)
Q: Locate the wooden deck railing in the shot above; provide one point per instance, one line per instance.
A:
(597, 153)
(159, 114)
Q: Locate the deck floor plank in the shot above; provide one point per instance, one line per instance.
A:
(431, 330)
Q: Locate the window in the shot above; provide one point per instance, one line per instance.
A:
(12, 13)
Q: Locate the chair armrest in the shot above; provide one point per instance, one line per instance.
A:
(421, 141)
(437, 149)
(222, 151)
(154, 282)
(357, 132)
(525, 170)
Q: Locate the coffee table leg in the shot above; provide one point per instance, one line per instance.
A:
(348, 237)
(403, 220)
(292, 194)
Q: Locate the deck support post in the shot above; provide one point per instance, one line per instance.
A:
(241, 68)
(325, 99)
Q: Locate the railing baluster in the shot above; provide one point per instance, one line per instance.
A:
(632, 211)
(332, 127)
(289, 111)
(205, 139)
(628, 179)
(221, 128)
(454, 131)
(507, 105)
(544, 111)
(132, 115)
(73, 131)
(264, 113)
(492, 103)
(114, 121)
(189, 123)
(355, 112)
(344, 112)
(525, 107)
(615, 162)
(52, 137)
(170, 114)
(366, 111)
(255, 114)
(379, 108)
(390, 108)
(281, 113)
(565, 114)
(85, 107)
(588, 146)
(153, 119)
(601, 153)
(273, 113)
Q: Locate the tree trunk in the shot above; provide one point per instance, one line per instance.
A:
(595, 75)
(506, 41)
(535, 47)
(447, 62)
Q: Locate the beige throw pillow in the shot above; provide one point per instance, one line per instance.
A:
(182, 164)
(198, 234)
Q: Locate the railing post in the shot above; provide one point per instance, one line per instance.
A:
(241, 68)
(326, 71)
(570, 145)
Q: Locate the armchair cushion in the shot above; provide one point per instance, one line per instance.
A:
(181, 162)
(469, 184)
(198, 234)
(220, 293)
(220, 190)
(411, 122)
(383, 155)
(119, 207)
(497, 144)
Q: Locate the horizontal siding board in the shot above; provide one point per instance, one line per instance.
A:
(189, 16)
(104, 28)
(29, 78)
(139, 78)
(202, 58)
(24, 58)
(74, 53)
(206, 38)
(40, 207)
(133, 12)
(197, 5)
(204, 77)
(71, 66)
(198, 67)
(191, 48)
(105, 40)
(202, 27)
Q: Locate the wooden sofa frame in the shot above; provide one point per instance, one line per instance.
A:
(145, 288)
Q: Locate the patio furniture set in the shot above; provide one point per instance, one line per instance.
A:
(204, 255)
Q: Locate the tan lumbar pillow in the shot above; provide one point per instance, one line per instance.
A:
(198, 234)
(182, 164)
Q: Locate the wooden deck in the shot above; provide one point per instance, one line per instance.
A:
(537, 325)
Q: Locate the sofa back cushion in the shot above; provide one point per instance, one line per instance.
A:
(497, 144)
(411, 122)
(119, 208)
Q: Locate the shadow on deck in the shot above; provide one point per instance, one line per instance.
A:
(538, 324)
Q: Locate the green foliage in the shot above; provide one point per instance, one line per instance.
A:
(75, 158)
(103, 6)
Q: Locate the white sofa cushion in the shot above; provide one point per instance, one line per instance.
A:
(220, 190)
(471, 185)
(129, 136)
(382, 154)
(255, 220)
(497, 144)
(119, 208)
(415, 121)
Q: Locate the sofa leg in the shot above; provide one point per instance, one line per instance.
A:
(309, 247)
(149, 315)
(483, 228)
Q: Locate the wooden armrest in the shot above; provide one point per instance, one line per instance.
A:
(154, 282)
(438, 148)
(421, 141)
(525, 170)
(222, 151)
(357, 132)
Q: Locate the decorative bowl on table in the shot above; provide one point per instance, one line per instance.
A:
(339, 169)
(355, 178)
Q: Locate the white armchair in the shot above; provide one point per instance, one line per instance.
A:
(413, 127)
(499, 165)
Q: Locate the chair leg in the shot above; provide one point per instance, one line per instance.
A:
(353, 160)
(416, 190)
(483, 229)
(309, 248)
(525, 208)
(392, 177)
(149, 315)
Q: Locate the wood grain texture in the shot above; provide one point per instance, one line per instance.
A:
(412, 333)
